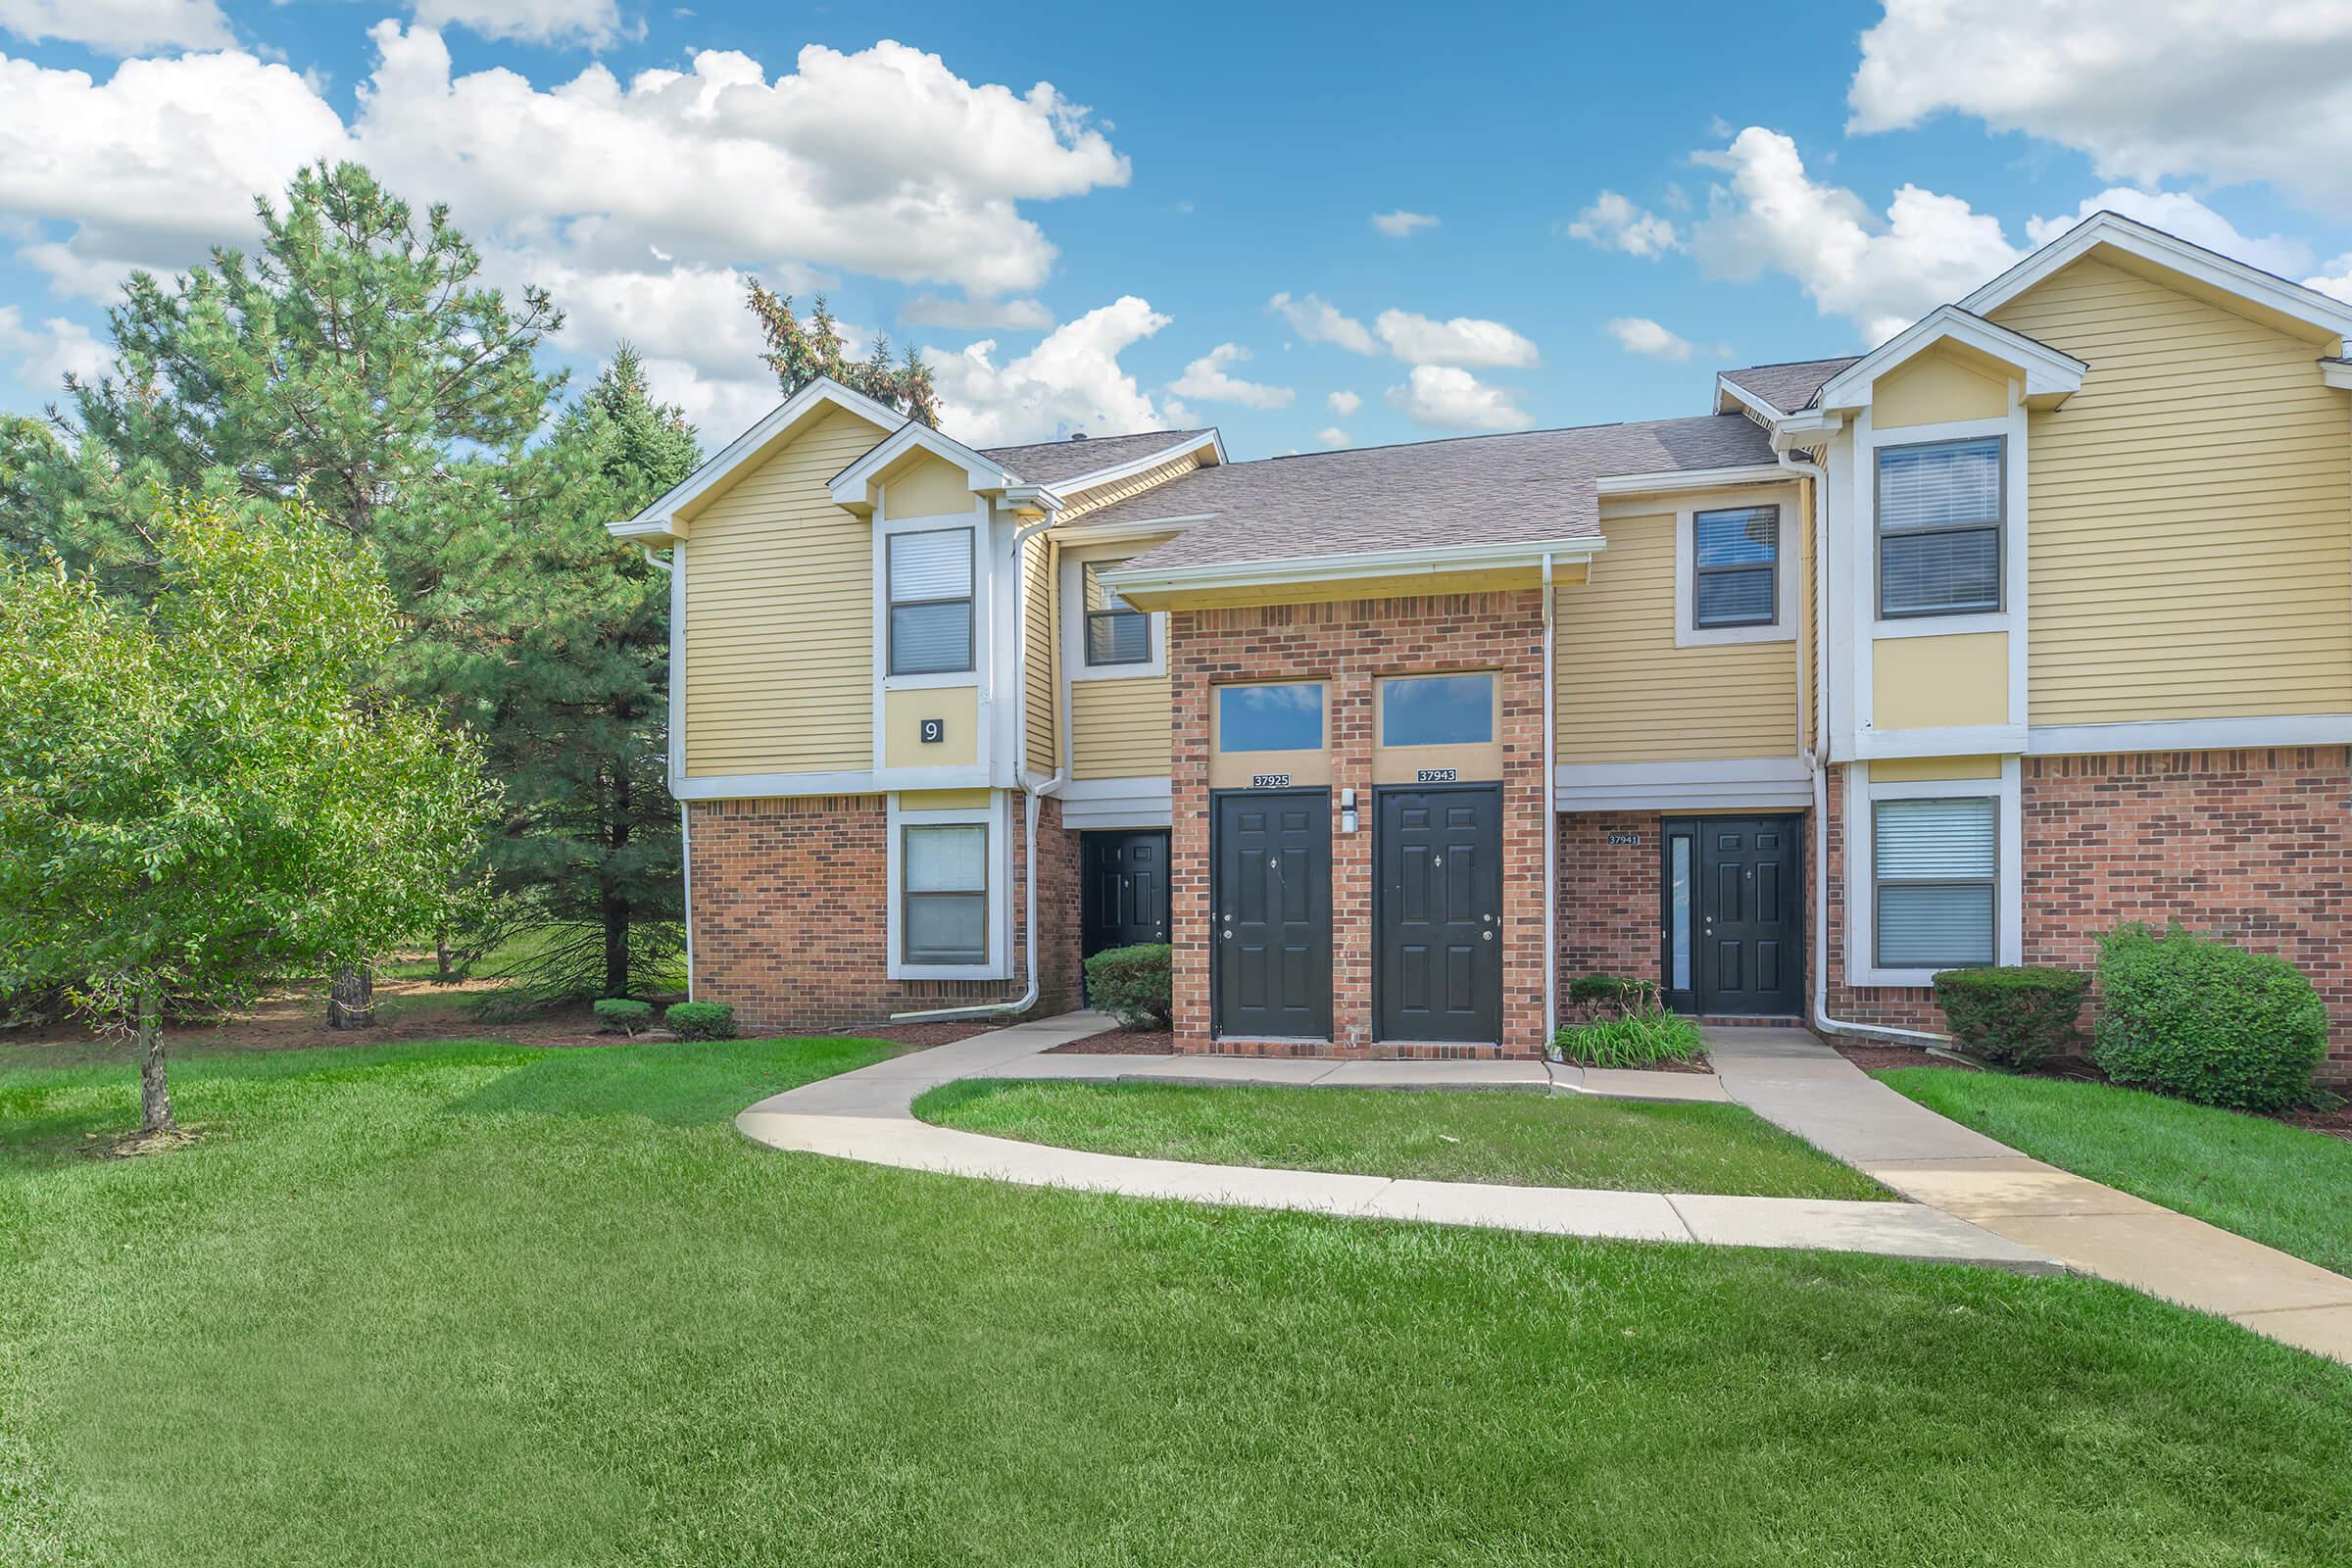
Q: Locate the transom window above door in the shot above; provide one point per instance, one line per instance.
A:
(1437, 711)
(1736, 563)
(1117, 632)
(931, 602)
(1284, 718)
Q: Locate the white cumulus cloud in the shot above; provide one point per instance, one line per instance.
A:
(1615, 224)
(1331, 435)
(2213, 89)
(1639, 334)
(1318, 321)
(1881, 273)
(118, 26)
(47, 352)
(594, 22)
(2178, 212)
(1446, 396)
(1208, 380)
(1463, 340)
(1072, 378)
(1402, 224)
(1344, 404)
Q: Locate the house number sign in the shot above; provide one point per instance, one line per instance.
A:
(1438, 775)
(1625, 838)
(1269, 781)
(935, 730)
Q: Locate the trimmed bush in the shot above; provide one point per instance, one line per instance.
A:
(2016, 1015)
(701, 1020)
(2192, 1015)
(1622, 990)
(621, 1015)
(1135, 984)
(1642, 1037)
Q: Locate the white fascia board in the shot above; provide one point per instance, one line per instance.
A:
(637, 530)
(1643, 484)
(1143, 464)
(2155, 246)
(1779, 782)
(2336, 373)
(762, 786)
(2189, 735)
(853, 486)
(1431, 561)
(2048, 372)
(657, 518)
(1107, 533)
(1729, 391)
(1810, 428)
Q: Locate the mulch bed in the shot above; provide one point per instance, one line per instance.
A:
(1878, 1058)
(2336, 1123)
(938, 1032)
(1120, 1043)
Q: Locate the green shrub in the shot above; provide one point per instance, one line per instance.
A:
(1623, 990)
(701, 1020)
(2016, 1015)
(1641, 1037)
(2192, 1015)
(1134, 984)
(621, 1015)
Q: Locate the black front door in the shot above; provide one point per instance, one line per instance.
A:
(1123, 889)
(1742, 916)
(1436, 924)
(1270, 952)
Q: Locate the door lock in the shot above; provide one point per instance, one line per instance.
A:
(1489, 935)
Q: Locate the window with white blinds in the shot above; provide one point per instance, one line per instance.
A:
(931, 602)
(943, 870)
(1735, 561)
(1117, 632)
(1935, 868)
(1939, 527)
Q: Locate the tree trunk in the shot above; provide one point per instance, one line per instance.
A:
(616, 911)
(441, 955)
(352, 1005)
(155, 1096)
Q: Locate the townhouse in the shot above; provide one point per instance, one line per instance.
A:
(2037, 617)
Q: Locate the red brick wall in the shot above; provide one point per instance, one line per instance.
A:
(1608, 895)
(791, 903)
(1350, 645)
(2249, 845)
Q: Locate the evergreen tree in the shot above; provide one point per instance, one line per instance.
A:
(800, 352)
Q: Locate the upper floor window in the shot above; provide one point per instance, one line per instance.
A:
(1438, 711)
(1939, 527)
(1935, 875)
(1117, 632)
(1736, 568)
(1270, 718)
(931, 602)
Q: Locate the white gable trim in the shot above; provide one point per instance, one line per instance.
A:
(2154, 245)
(658, 522)
(856, 486)
(1095, 478)
(2049, 373)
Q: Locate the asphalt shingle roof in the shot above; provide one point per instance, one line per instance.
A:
(1053, 462)
(1472, 490)
(1788, 388)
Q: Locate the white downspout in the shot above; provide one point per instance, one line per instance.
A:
(1552, 829)
(1816, 764)
(1033, 793)
(685, 840)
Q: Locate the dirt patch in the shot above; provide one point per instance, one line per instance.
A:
(1121, 1042)
(1878, 1058)
(2336, 1123)
(941, 1032)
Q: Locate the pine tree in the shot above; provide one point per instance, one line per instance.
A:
(800, 352)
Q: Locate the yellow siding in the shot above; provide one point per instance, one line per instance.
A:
(1937, 389)
(2192, 511)
(1119, 727)
(925, 488)
(1933, 770)
(1937, 682)
(942, 799)
(779, 616)
(1039, 650)
(1628, 694)
(1101, 496)
(903, 715)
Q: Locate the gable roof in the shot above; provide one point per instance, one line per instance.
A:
(1466, 493)
(1781, 388)
(658, 519)
(2051, 374)
(1052, 463)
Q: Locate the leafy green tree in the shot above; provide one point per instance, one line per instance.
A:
(28, 449)
(800, 352)
(208, 792)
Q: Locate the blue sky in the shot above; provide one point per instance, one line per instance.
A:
(1587, 213)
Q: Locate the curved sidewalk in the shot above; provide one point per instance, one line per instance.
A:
(866, 1116)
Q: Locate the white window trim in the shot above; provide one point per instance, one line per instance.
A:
(997, 820)
(1861, 897)
(1782, 628)
(1073, 619)
(983, 576)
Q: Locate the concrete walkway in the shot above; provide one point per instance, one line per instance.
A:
(865, 1115)
(1790, 1077)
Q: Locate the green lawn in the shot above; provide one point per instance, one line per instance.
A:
(1525, 1140)
(479, 1304)
(2280, 1185)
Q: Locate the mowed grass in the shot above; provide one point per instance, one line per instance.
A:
(480, 1304)
(1522, 1140)
(2282, 1185)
